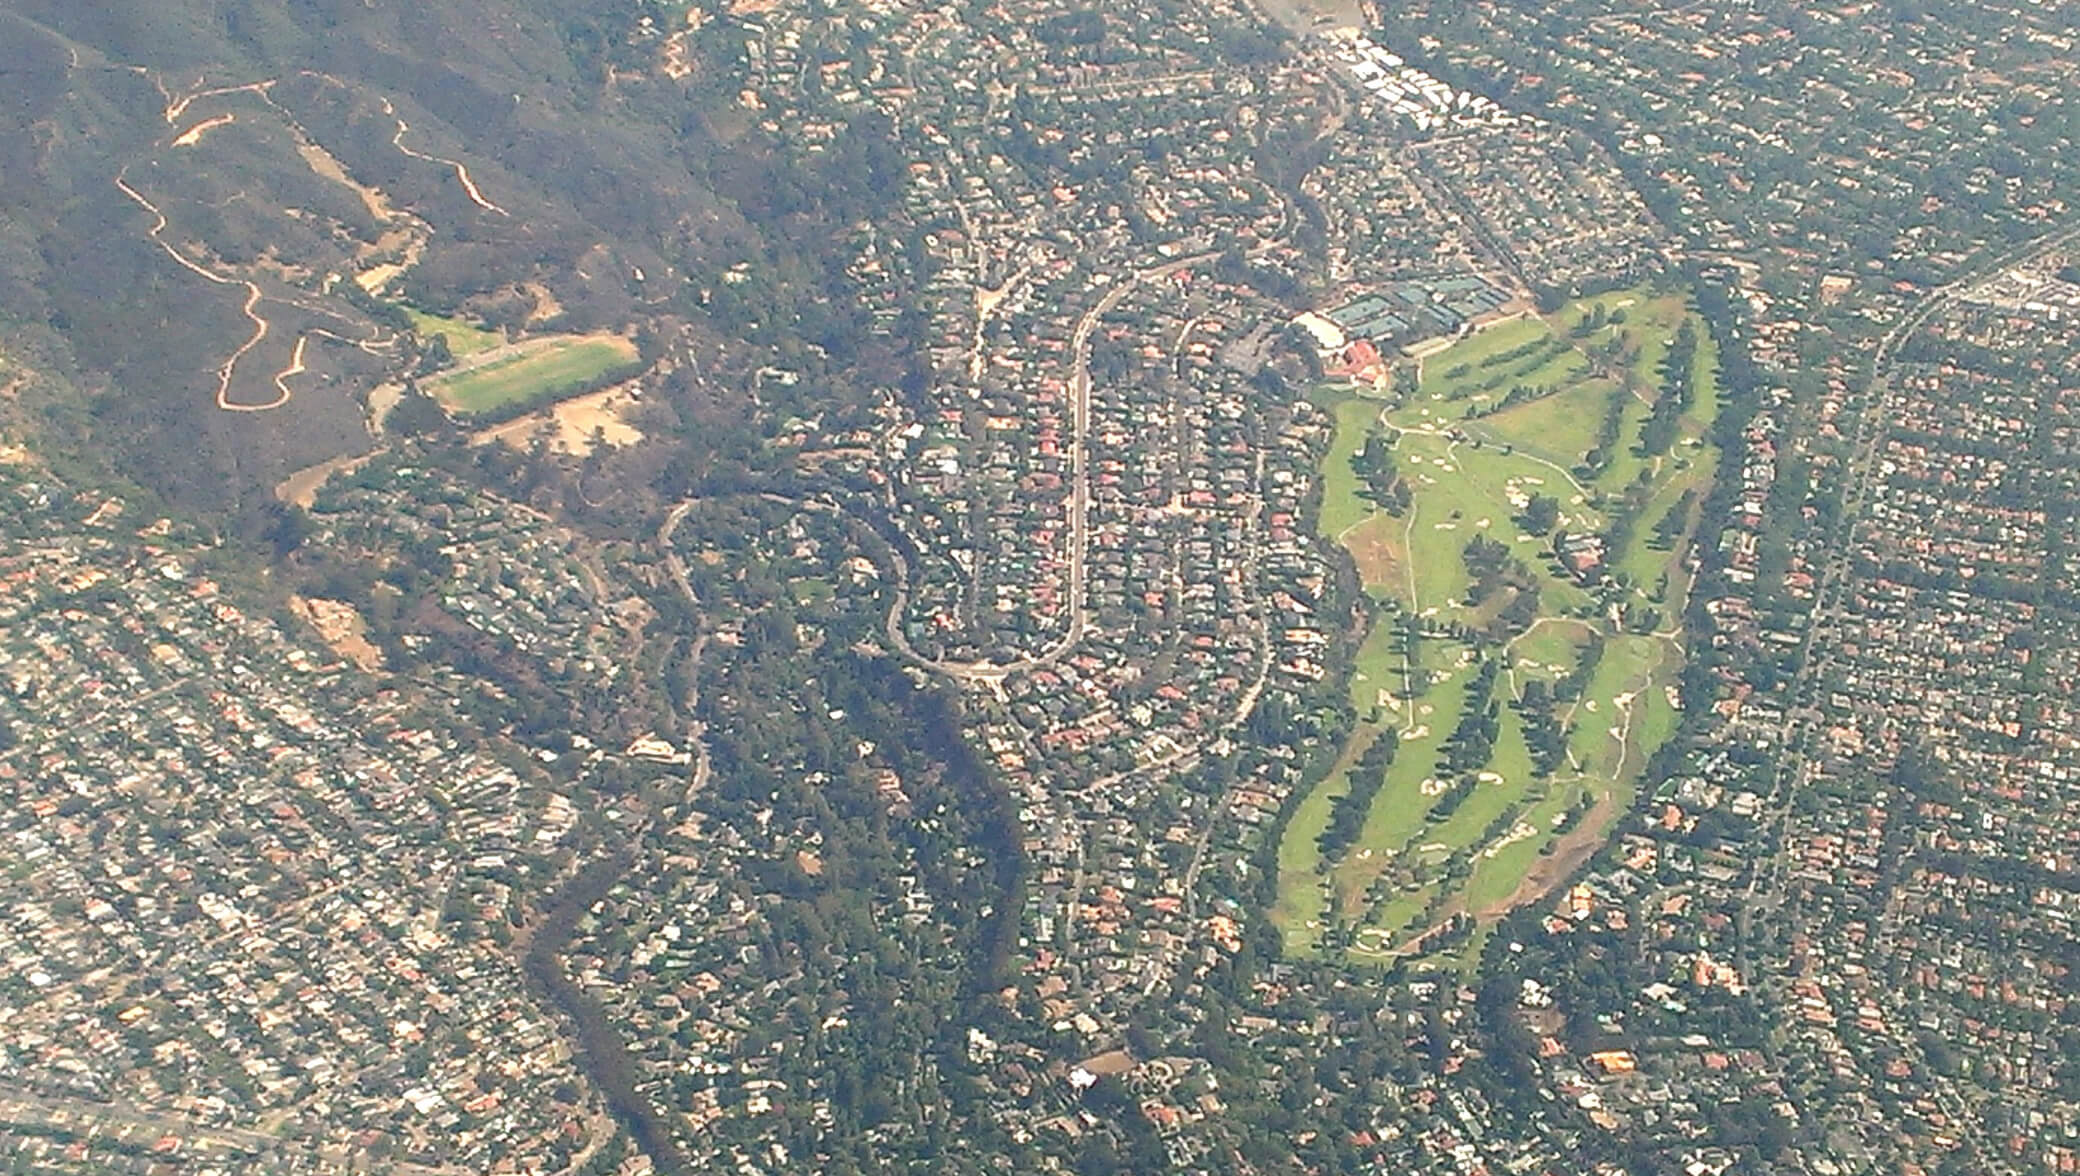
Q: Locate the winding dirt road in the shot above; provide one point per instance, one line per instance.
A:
(175, 110)
(253, 298)
(469, 186)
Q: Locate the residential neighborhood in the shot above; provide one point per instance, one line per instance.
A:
(1440, 589)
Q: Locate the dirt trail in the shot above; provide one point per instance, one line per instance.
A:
(194, 134)
(179, 106)
(253, 297)
(469, 186)
(321, 162)
(295, 368)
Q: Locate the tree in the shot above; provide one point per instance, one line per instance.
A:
(436, 356)
(415, 414)
(1541, 514)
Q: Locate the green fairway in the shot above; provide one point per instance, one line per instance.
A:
(1687, 468)
(1397, 813)
(1698, 421)
(1342, 507)
(1505, 781)
(1463, 490)
(1299, 887)
(1503, 864)
(464, 339)
(1395, 918)
(540, 369)
(1626, 465)
(1608, 732)
(1438, 370)
(1376, 671)
(1548, 650)
(1559, 428)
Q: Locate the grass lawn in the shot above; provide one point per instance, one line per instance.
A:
(1698, 421)
(1559, 428)
(1468, 957)
(562, 362)
(1554, 366)
(1656, 718)
(811, 589)
(464, 339)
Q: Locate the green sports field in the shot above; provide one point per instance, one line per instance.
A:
(534, 370)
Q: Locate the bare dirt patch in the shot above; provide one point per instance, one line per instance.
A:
(381, 399)
(575, 426)
(405, 246)
(1304, 16)
(545, 305)
(402, 239)
(1375, 546)
(327, 165)
(1570, 850)
(301, 488)
(341, 627)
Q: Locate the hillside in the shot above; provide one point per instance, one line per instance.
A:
(212, 214)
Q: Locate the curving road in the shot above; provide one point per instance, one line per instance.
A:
(992, 673)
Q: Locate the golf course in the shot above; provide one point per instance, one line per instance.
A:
(1519, 507)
